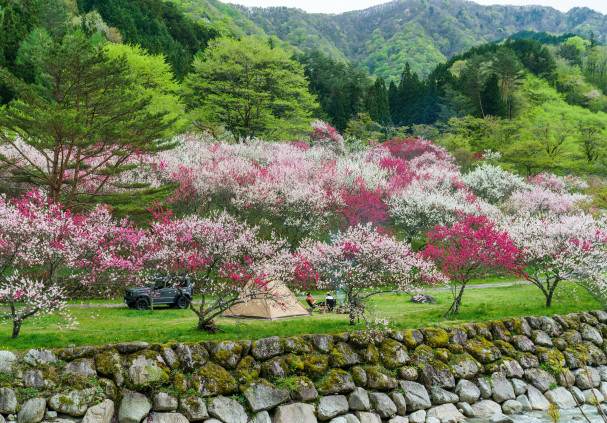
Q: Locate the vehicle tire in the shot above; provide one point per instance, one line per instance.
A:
(142, 303)
(182, 302)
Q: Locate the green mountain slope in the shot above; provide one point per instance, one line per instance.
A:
(423, 32)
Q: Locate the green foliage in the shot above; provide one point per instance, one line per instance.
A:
(251, 89)
(81, 101)
(158, 26)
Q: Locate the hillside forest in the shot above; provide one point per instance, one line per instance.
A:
(142, 136)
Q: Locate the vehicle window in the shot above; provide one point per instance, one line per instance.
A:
(159, 284)
(183, 283)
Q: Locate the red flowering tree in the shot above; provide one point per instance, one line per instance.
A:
(471, 247)
(45, 250)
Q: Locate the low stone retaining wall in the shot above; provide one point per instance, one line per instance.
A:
(427, 375)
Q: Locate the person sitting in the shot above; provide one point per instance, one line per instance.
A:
(330, 301)
(311, 301)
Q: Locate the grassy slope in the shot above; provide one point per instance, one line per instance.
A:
(100, 325)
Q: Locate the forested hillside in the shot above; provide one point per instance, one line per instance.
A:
(422, 32)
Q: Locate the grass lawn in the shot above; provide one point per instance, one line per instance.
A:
(102, 325)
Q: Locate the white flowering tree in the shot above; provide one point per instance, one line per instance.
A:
(559, 247)
(363, 263)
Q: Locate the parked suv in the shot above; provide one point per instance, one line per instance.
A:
(165, 292)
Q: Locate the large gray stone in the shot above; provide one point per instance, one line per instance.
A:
(591, 334)
(486, 408)
(295, 413)
(560, 397)
(416, 395)
(465, 409)
(74, 403)
(500, 418)
(524, 401)
(8, 401)
(467, 391)
(263, 417)
(537, 400)
(398, 419)
(520, 387)
(485, 387)
(587, 379)
(227, 354)
(444, 411)
(7, 359)
(501, 387)
(82, 367)
(266, 348)
(539, 378)
(359, 400)
(167, 418)
(383, 405)
(170, 358)
(191, 356)
(37, 357)
(303, 390)
(33, 379)
(32, 411)
(331, 406)
(165, 401)
(603, 389)
(510, 368)
(417, 417)
(193, 407)
(512, 407)
(145, 372)
(227, 410)
(592, 396)
(438, 374)
(400, 402)
(265, 396)
(350, 418)
(133, 407)
(578, 394)
(442, 396)
(100, 413)
(368, 417)
(603, 372)
(524, 344)
(542, 339)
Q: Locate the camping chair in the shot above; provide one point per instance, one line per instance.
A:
(331, 304)
(311, 305)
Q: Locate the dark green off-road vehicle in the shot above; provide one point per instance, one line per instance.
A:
(174, 292)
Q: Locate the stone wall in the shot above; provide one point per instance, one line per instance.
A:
(425, 375)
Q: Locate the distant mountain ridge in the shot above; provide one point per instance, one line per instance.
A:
(382, 38)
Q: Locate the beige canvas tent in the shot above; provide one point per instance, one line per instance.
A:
(276, 303)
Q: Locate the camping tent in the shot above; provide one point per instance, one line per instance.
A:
(276, 303)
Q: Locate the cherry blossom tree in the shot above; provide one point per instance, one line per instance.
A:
(559, 247)
(470, 248)
(493, 183)
(324, 134)
(43, 249)
(228, 261)
(362, 262)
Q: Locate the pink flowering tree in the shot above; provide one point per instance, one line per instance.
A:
(45, 253)
(327, 136)
(555, 248)
(363, 263)
(228, 261)
(470, 248)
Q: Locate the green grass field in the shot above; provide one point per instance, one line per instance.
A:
(102, 325)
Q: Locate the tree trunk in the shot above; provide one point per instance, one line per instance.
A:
(454, 309)
(16, 327)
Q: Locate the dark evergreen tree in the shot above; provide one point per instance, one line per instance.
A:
(490, 97)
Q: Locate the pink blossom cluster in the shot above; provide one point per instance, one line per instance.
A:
(362, 262)
(327, 136)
